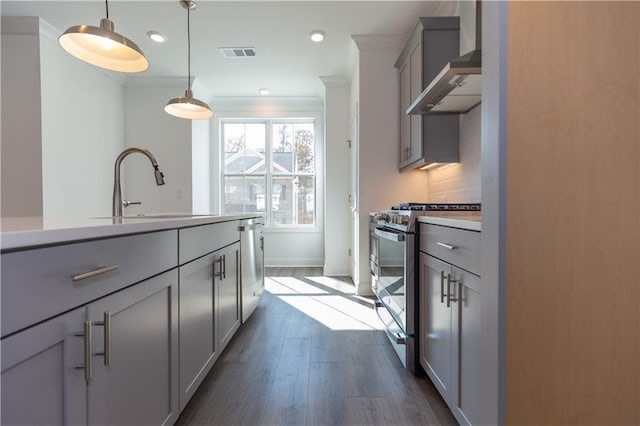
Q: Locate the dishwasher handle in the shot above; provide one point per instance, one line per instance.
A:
(387, 235)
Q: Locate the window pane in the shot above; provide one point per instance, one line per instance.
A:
(245, 147)
(244, 194)
(282, 148)
(293, 200)
(293, 148)
(303, 147)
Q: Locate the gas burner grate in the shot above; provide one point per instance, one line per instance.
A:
(438, 206)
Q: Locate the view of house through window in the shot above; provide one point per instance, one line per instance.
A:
(269, 168)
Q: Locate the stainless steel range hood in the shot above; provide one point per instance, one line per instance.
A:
(457, 88)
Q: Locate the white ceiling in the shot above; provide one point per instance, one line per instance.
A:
(287, 62)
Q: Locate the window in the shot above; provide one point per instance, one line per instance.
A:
(269, 168)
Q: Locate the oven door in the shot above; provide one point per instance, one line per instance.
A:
(391, 273)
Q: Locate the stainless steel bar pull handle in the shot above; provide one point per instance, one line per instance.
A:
(219, 262)
(441, 286)
(107, 337)
(449, 281)
(450, 297)
(87, 366)
(447, 246)
(224, 266)
(98, 271)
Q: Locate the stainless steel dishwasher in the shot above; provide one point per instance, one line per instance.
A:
(251, 264)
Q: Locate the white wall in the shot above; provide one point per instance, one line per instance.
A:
(83, 127)
(200, 161)
(380, 183)
(62, 125)
(336, 124)
(460, 182)
(283, 247)
(168, 138)
(21, 154)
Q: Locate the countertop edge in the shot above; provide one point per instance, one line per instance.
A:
(35, 238)
(470, 225)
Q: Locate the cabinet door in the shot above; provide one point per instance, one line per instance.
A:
(467, 344)
(416, 141)
(228, 292)
(197, 326)
(436, 323)
(405, 120)
(137, 385)
(40, 381)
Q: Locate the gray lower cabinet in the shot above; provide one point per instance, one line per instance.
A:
(451, 319)
(40, 382)
(436, 320)
(228, 290)
(135, 364)
(209, 314)
(197, 324)
(67, 370)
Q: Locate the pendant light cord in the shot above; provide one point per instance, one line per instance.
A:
(188, 48)
(106, 6)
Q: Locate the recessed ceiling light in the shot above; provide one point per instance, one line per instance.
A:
(317, 35)
(263, 92)
(156, 36)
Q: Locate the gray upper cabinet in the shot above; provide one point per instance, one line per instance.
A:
(427, 138)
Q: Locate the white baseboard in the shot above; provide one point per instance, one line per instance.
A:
(364, 289)
(330, 271)
(293, 263)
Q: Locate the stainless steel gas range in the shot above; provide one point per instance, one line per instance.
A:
(392, 250)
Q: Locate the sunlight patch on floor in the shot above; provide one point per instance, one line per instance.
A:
(335, 311)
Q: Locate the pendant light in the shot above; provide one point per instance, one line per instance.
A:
(188, 107)
(103, 47)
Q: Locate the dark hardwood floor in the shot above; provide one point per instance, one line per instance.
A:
(313, 354)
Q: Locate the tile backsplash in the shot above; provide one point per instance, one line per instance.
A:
(460, 182)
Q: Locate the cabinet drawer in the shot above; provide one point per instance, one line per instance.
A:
(38, 284)
(458, 247)
(200, 240)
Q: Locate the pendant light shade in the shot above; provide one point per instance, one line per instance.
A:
(188, 107)
(103, 47)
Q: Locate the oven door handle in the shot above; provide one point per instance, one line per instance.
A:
(393, 236)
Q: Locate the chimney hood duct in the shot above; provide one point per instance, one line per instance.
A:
(457, 88)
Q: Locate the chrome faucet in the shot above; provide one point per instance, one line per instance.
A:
(116, 207)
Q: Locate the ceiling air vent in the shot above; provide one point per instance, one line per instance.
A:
(238, 52)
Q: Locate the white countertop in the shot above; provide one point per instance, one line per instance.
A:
(25, 232)
(470, 222)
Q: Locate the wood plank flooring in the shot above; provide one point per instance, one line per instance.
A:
(313, 353)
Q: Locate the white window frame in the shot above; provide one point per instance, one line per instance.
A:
(315, 119)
